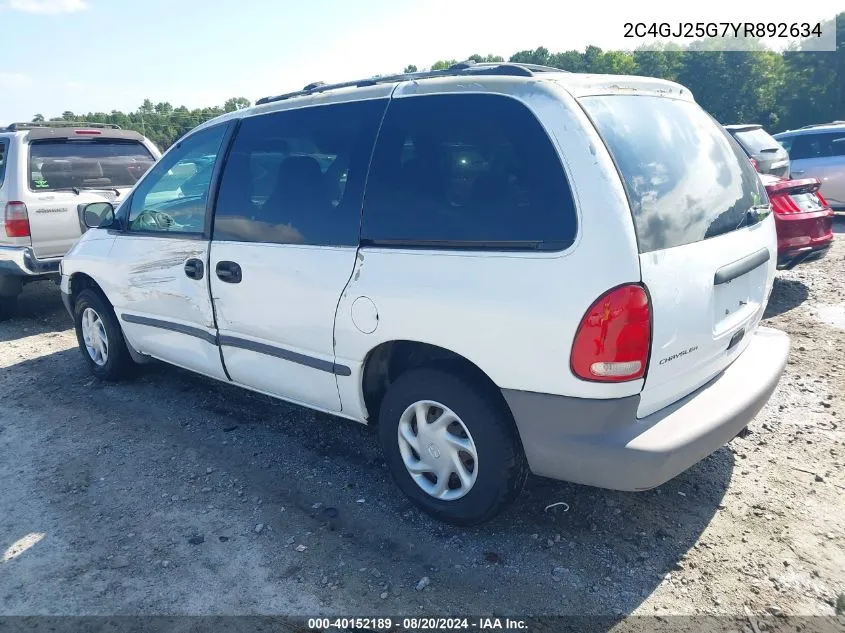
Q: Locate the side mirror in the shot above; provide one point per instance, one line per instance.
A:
(98, 215)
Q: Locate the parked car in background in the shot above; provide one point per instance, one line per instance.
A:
(48, 171)
(767, 155)
(818, 151)
(803, 219)
(419, 259)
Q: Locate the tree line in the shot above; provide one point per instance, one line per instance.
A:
(780, 90)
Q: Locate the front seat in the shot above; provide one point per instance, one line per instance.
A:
(299, 198)
(57, 173)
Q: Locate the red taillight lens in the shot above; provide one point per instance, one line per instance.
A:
(821, 199)
(782, 204)
(755, 164)
(16, 220)
(613, 339)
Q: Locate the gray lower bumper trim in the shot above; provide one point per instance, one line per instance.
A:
(603, 443)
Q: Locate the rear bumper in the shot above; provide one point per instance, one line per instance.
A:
(803, 236)
(602, 443)
(21, 261)
(791, 258)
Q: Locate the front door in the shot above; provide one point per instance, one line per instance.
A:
(161, 256)
(284, 245)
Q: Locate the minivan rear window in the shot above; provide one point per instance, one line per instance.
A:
(686, 179)
(88, 164)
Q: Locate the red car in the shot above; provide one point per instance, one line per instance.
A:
(803, 219)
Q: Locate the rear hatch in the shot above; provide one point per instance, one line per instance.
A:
(706, 239)
(70, 168)
(770, 155)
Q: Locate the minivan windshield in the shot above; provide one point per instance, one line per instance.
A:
(686, 179)
(86, 164)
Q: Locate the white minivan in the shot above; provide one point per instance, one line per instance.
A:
(506, 267)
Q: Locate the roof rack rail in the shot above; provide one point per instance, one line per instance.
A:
(468, 67)
(28, 125)
(807, 127)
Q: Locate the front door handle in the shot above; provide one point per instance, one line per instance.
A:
(194, 269)
(229, 272)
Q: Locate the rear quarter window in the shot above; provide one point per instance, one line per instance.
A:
(4, 152)
(466, 171)
(687, 180)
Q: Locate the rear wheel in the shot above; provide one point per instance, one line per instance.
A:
(451, 446)
(100, 337)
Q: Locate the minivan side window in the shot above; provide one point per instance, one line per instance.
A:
(4, 150)
(466, 171)
(297, 176)
(173, 198)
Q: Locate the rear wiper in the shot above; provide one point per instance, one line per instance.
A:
(116, 191)
(754, 215)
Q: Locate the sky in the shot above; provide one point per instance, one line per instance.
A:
(103, 55)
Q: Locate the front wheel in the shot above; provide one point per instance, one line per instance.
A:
(451, 446)
(100, 337)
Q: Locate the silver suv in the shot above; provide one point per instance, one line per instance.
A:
(818, 151)
(48, 171)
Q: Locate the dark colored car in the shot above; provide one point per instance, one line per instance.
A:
(765, 152)
(803, 219)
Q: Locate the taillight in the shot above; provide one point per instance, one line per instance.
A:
(783, 204)
(821, 199)
(16, 220)
(755, 164)
(613, 339)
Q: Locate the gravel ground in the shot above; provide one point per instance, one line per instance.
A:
(173, 494)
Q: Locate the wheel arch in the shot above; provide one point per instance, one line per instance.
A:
(388, 360)
(80, 281)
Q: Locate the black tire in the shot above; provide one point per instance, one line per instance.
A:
(502, 468)
(118, 361)
(8, 307)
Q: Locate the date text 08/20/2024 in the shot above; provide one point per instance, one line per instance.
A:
(419, 623)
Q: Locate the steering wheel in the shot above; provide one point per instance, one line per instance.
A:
(162, 221)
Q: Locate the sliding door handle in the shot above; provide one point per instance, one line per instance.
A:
(230, 272)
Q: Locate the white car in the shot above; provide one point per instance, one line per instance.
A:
(506, 267)
(48, 171)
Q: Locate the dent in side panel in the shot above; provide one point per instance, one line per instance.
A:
(155, 281)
